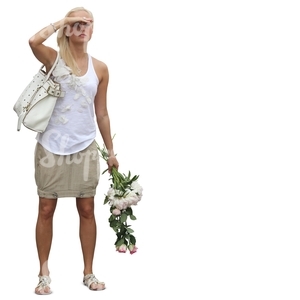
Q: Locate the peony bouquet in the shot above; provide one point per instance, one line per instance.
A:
(124, 192)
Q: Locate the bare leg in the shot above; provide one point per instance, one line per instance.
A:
(44, 233)
(87, 234)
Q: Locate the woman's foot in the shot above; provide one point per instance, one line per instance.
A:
(93, 283)
(43, 287)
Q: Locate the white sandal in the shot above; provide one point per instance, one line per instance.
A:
(89, 279)
(44, 282)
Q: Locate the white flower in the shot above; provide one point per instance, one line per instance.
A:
(116, 199)
(111, 194)
(119, 203)
(76, 96)
(62, 119)
(136, 187)
(132, 198)
(66, 108)
(116, 212)
(84, 104)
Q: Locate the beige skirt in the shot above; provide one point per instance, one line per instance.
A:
(74, 175)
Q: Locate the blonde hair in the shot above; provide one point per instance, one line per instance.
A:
(63, 42)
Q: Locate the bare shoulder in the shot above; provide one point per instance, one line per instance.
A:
(100, 68)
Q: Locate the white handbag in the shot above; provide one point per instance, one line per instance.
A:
(36, 103)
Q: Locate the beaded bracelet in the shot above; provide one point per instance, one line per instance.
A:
(53, 27)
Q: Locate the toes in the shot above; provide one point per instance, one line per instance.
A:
(43, 291)
(97, 286)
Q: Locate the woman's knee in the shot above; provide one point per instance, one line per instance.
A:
(85, 208)
(47, 207)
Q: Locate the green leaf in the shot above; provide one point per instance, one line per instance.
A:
(114, 223)
(128, 211)
(104, 171)
(132, 240)
(122, 228)
(132, 217)
(111, 218)
(123, 217)
(120, 242)
(129, 230)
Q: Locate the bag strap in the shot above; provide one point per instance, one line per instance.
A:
(52, 68)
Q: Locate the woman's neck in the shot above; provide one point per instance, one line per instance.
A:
(78, 51)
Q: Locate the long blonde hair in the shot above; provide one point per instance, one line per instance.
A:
(63, 42)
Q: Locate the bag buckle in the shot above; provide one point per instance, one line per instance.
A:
(51, 91)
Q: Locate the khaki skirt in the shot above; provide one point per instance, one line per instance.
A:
(74, 175)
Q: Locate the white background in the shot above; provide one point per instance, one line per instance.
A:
(204, 102)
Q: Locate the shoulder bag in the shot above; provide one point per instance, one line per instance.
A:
(36, 103)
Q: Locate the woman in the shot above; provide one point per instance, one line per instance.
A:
(66, 154)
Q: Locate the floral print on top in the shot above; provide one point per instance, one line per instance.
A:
(63, 73)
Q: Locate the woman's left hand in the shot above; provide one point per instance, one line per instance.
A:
(112, 162)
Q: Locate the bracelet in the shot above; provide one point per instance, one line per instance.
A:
(54, 28)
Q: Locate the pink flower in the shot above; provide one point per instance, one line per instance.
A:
(116, 212)
(132, 248)
(122, 248)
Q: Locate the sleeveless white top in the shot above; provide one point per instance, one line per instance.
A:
(72, 126)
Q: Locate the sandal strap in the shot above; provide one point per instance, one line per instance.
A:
(44, 281)
(89, 279)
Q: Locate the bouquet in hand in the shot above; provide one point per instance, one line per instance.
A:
(124, 192)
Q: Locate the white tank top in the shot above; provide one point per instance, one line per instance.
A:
(72, 126)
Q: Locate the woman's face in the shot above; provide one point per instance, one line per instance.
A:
(80, 31)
